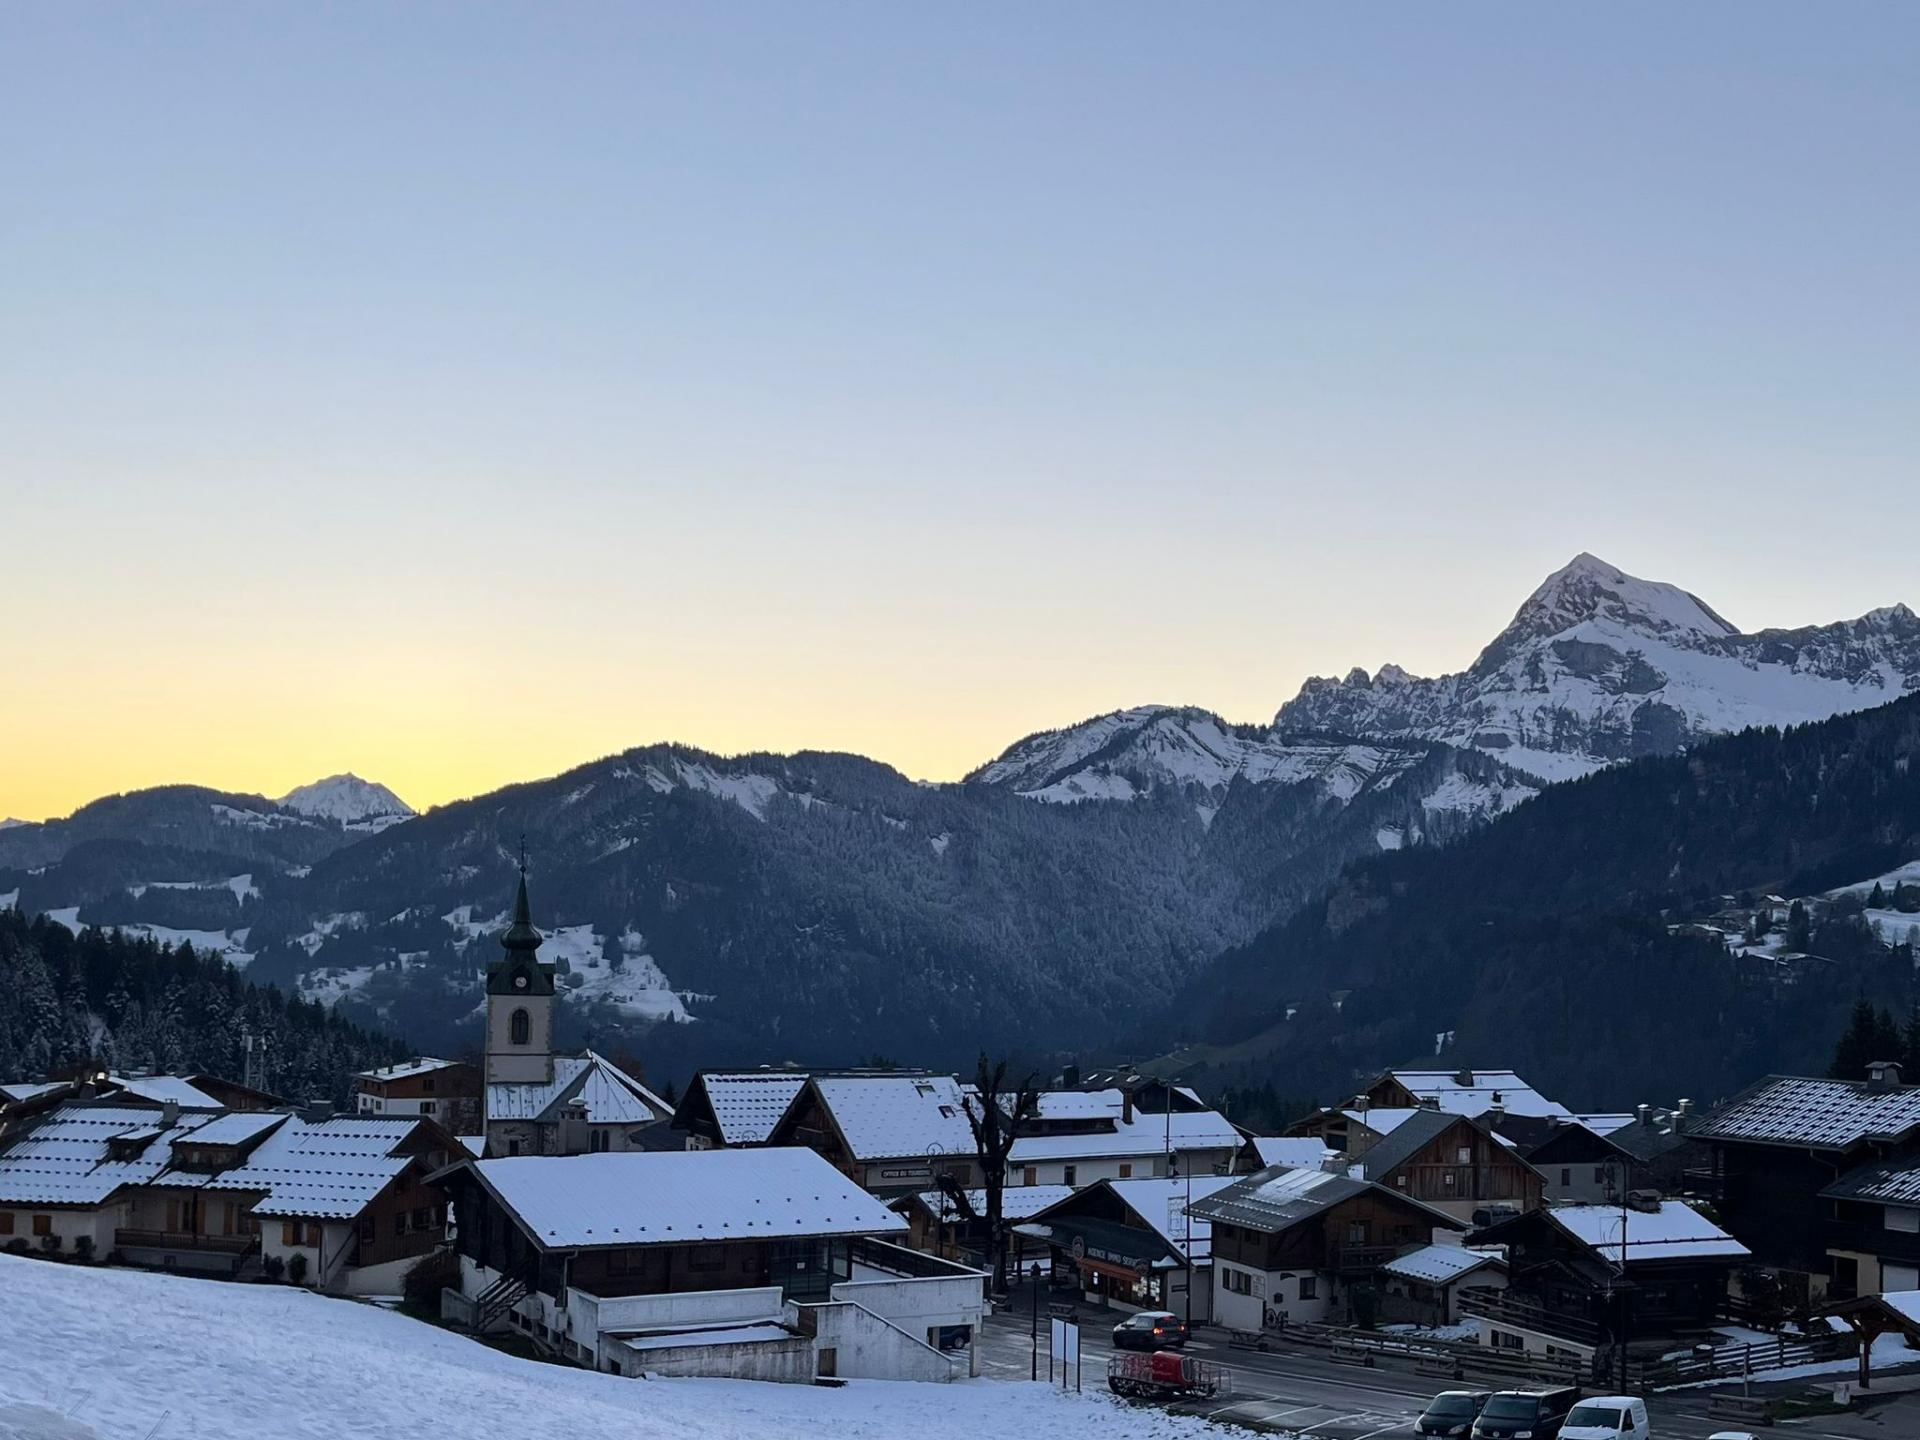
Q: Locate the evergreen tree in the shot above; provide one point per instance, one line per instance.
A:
(1799, 933)
(1855, 1049)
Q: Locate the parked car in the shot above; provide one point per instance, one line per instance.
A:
(1524, 1414)
(1607, 1417)
(1150, 1330)
(1451, 1412)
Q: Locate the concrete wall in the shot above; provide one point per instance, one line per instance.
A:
(784, 1361)
(748, 1306)
(69, 1225)
(866, 1347)
(384, 1279)
(1272, 1290)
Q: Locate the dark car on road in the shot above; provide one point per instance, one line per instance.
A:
(1524, 1414)
(1150, 1330)
(1451, 1412)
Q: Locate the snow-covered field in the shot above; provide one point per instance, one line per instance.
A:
(119, 1355)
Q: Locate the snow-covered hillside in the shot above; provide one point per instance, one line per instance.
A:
(1598, 666)
(100, 1354)
(357, 803)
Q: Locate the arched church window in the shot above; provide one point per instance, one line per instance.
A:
(520, 1028)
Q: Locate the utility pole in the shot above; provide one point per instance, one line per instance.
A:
(1036, 1322)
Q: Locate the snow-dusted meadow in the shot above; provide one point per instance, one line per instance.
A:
(103, 1354)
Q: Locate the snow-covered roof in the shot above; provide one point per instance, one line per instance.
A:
(162, 1089)
(612, 1096)
(1605, 1124)
(407, 1069)
(1080, 1104)
(881, 1116)
(1440, 1264)
(1816, 1114)
(676, 1197)
(1879, 1183)
(1147, 1136)
(331, 1170)
(1385, 1119)
(1474, 1092)
(66, 1159)
(1276, 1199)
(1907, 1302)
(25, 1090)
(1017, 1202)
(1162, 1204)
(237, 1127)
(747, 1104)
(1676, 1231)
(1297, 1151)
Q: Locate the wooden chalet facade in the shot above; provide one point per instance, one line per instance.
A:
(1451, 1163)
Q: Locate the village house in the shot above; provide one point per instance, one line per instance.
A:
(893, 1132)
(1132, 1244)
(1792, 1175)
(337, 1203)
(1447, 1161)
(1293, 1245)
(445, 1091)
(1595, 1159)
(762, 1263)
(723, 1108)
(540, 1103)
(1079, 1137)
(1426, 1286)
(1461, 1092)
(1584, 1278)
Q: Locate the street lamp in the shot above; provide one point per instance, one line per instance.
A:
(1036, 1320)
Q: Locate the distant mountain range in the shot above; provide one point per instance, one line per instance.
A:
(823, 907)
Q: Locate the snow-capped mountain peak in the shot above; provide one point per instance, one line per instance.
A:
(349, 800)
(1599, 666)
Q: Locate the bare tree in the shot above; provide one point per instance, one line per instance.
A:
(996, 1115)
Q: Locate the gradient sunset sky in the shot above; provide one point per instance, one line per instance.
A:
(454, 393)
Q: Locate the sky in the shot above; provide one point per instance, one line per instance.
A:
(456, 393)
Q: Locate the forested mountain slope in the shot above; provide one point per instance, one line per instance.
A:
(1558, 938)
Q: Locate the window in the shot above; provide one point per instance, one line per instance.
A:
(289, 1233)
(426, 1107)
(6, 1222)
(1465, 1155)
(1069, 1173)
(1901, 1218)
(1566, 1175)
(597, 1141)
(43, 1224)
(706, 1257)
(1599, 1174)
(313, 1233)
(1032, 1176)
(399, 1222)
(1126, 1171)
(366, 1230)
(427, 1085)
(513, 1147)
(1309, 1287)
(1356, 1232)
(519, 1028)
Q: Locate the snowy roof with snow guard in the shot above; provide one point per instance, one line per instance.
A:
(678, 1197)
(331, 1170)
(1676, 1231)
(407, 1069)
(1296, 1151)
(1441, 1264)
(162, 1089)
(747, 1104)
(612, 1096)
(882, 1116)
(1147, 1136)
(1817, 1114)
(1017, 1202)
(1479, 1091)
(29, 1091)
(1883, 1184)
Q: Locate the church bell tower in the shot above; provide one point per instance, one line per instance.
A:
(520, 1003)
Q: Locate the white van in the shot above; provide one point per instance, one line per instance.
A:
(1607, 1417)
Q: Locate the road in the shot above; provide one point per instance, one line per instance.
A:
(1303, 1391)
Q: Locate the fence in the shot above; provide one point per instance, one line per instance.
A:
(1724, 1362)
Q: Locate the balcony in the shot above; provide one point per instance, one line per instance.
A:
(185, 1240)
(1353, 1259)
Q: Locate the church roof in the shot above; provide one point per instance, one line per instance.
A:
(612, 1097)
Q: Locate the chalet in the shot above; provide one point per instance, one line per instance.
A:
(337, 1203)
(1449, 1162)
(892, 1132)
(1133, 1243)
(1294, 1245)
(445, 1091)
(1872, 1233)
(540, 1103)
(1083, 1136)
(953, 1224)
(723, 1108)
(1780, 1146)
(1585, 1278)
(1595, 1159)
(1426, 1286)
(761, 1263)
(1460, 1092)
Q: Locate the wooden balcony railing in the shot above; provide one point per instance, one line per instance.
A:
(185, 1240)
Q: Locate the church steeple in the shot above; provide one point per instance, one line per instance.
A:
(520, 995)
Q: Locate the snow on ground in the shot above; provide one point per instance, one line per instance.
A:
(638, 986)
(118, 1353)
(331, 986)
(9, 898)
(1888, 1351)
(325, 925)
(229, 946)
(1896, 927)
(67, 915)
(1907, 874)
(242, 886)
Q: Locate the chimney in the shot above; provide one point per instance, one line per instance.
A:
(169, 1114)
(1883, 1075)
(575, 1138)
(1463, 1078)
(1126, 1106)
(317, 1112)
(1070, 1077)
(1643, 1114)
(1429, 1102)
(1334, 1163)
(1682, 1116)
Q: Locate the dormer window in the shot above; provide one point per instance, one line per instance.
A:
(520, 1024)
